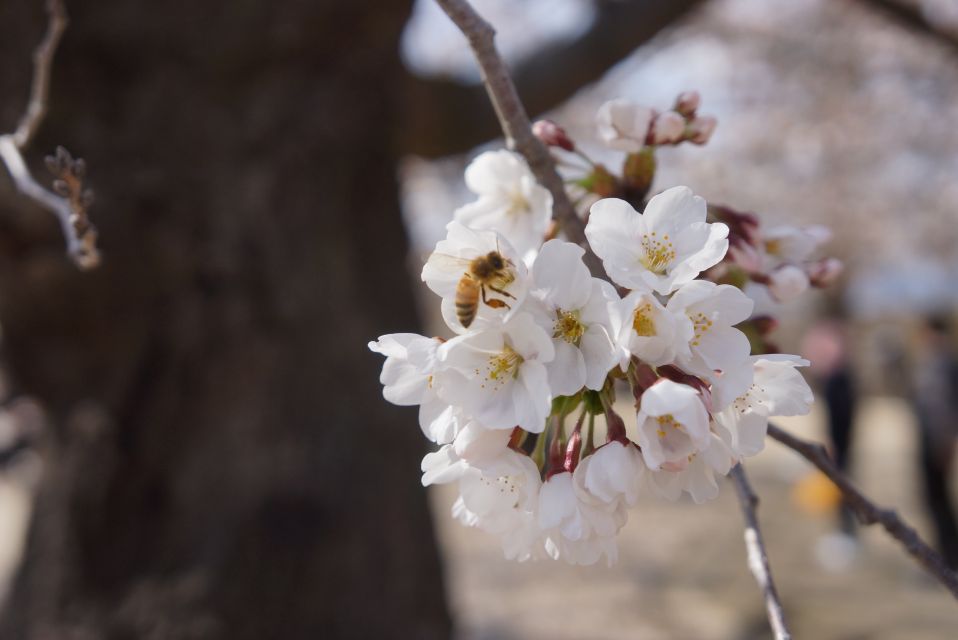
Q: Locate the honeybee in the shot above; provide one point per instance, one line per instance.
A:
(491, 271)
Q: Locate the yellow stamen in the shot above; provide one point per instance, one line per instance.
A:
(568, 327)
(642, 322)
(659, 254)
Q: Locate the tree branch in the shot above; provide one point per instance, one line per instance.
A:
(40, 87)
(757, 556)
(444, 116)
(70, 208)
(868, 512)
(514, 120)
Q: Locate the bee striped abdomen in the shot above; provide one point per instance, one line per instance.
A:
(467, 300)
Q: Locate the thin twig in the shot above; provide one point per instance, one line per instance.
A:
(42, 63)
(757, 556)
(868, 512)
(70, 211)
(515, 121)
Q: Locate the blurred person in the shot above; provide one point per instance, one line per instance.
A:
(934, 395)
(826, 347)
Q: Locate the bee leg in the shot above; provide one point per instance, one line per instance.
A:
(501, 292)
(492, 302)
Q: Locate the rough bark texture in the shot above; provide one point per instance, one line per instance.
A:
(221, 464)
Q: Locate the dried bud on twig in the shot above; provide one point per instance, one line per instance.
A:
(68, 184)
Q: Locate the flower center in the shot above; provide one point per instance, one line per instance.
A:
(501, 367)
(568, 327)
(642, 322)
(659, 253)
(773, 247)
(749, 399)
(508, 488)
(518, 204)
(701, 324)
(665, 422)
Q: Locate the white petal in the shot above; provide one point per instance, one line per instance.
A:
(567, 372)
(560, 277)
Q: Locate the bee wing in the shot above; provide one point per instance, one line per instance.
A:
(448, 262)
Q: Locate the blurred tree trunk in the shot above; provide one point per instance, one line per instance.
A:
(221, 464)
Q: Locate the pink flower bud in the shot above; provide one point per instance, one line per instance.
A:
(623, 124)
(787, 282)
(668, 128)
(687, 103)
(746, 256)
(825, 272)
(702, 129)
(552, 135)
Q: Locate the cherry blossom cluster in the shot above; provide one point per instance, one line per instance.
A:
(522, 399)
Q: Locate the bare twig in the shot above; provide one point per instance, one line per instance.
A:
(515, 121)
(757, 556)
(70, 207)
(446, 117)
(868, 512)
(42, 62)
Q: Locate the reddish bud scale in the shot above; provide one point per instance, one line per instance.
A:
(615, 427)
(573, 450)
(516, 438)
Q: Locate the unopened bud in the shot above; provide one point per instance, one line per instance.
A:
(701, 129)
(825, 272)
(787, 282)
(624, 125)
(668, 128)
(687, 103)
(552, 135)
(746, 256)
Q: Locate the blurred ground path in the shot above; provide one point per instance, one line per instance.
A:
(682, 572)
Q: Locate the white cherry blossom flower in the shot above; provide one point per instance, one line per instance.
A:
(624, 125)
(776, 389)
(510, 200)
(501, 497)
(613, 472)
(794, 244)
(672, 425)
(490, 261)
(661, 249)
(696, 476)
(408, 378)
(649, 331)
(579, 528)
(498, 376)
(787, 282)
(573, 307)
(716, 346)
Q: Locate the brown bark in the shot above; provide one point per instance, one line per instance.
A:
(222, 464)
